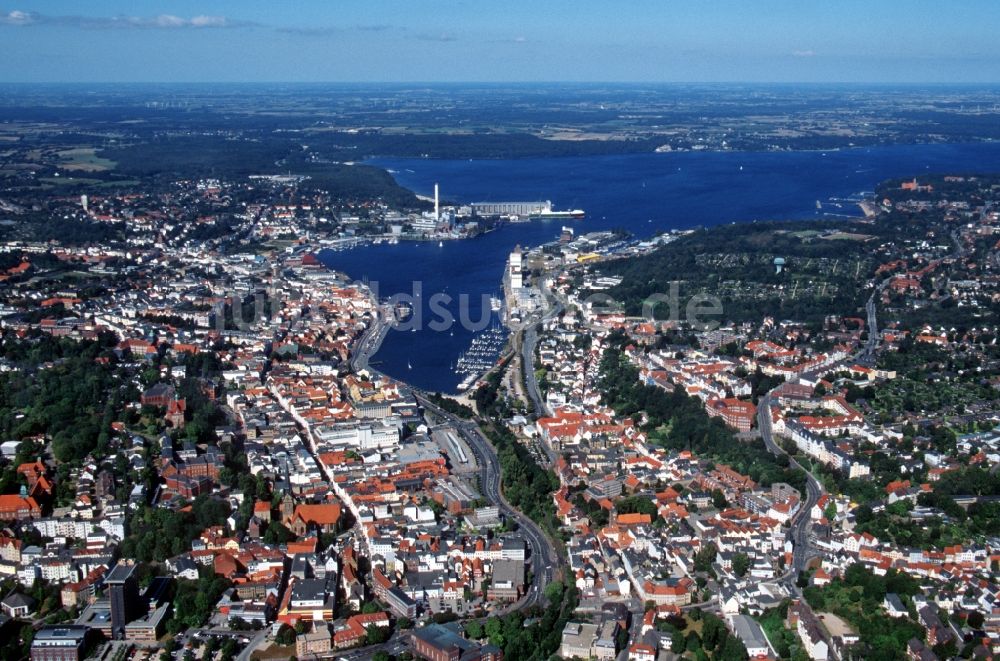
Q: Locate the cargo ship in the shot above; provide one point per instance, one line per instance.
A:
(575, 214)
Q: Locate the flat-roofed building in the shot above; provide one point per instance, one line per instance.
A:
(148, 629)
(605, 647)
(317, 642)
(510, 208)
(64, 642)
(400, 603)
(123, 592)
(577, 640)
(507, 583)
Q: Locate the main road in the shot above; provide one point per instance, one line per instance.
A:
(528, 338)
(544, 558)
(371, 339)
(801, 522)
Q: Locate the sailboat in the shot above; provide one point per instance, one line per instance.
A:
(408, 365)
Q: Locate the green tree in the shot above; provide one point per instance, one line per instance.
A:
(693, 642)
(194, 601)
(713, 631)
(277, 533)
(733, 650)
(678, 643)
(741, 563)
(705, 556)
(495, 632)
(377, 635)
(474, 630)
(636, 504)
(285, 636)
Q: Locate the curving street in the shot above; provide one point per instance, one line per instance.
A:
(371, 339)
(544, 558)
(801, 522)
(528, 338)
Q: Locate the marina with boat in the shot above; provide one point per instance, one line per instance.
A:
(481, 356)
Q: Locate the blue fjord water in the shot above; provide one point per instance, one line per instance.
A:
(642, 193)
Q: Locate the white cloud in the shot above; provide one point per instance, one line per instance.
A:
(169, 21)
(163, 21)
(17, 17)
(209, 22)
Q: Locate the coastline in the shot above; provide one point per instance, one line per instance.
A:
(376, 160)
(350, 243)
(682, 191)
(371, 338)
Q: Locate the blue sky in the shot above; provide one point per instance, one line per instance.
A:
(501, 40)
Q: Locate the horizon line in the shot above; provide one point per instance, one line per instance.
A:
(495, 82)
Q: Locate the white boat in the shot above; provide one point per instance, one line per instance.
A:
(575, 214)
(483, 352)
(440, 244)
(495, 303)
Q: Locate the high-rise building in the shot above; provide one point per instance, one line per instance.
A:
(123, 590)
(515, 265)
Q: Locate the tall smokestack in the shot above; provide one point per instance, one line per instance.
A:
(437, 207)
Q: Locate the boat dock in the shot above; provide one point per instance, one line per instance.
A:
(481, 356)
